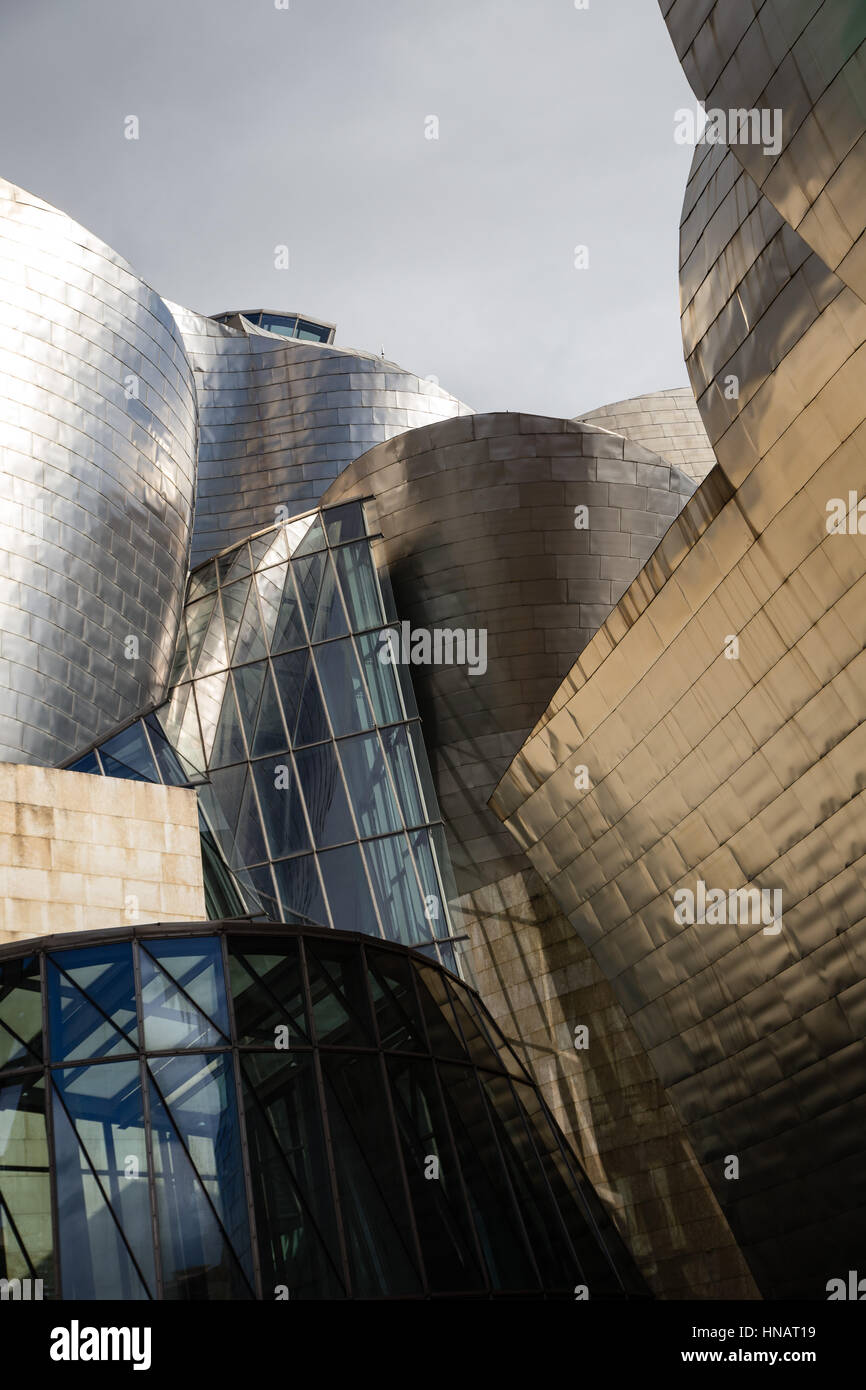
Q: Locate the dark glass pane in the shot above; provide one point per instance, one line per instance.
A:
(249, 838)
(300, 889)
(394, 1003)
(348, 891)
(228, 744)
(222, 894)
(264, 886)
(445, 1037)
(203, 1224)
(250, 642)
(496, 1218)
(20, 1013)
(330, 617)
(270, 734)
(400, 755)
(551, 1249)
(131, 750)
(312, 332)
(359, 584)
(267, 989)
(396, 890)
(381, 679)
(283, 814)
(89, 763)
(343, 687)
(172, 770)
(249, 683)
(234, 565)
(441, 1216)
(375, 1215)
(434, 908)
(308, 571)
(291, 1188)
(26, 1240)
(179, 721)
(376, 809)
(91, 1002)
(183, 993)
(278, 323)
(201, 582)
(338, 992)
(302, 703)
(288, 628)
(345, 523)
(103, 1205)
(323, 791)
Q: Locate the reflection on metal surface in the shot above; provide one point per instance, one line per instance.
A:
(668, 422)
(719, 709)
(98, 447)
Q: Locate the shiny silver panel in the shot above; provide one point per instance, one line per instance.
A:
(97, 455)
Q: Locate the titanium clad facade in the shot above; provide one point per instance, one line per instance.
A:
(97, 467)
(281, 418)
(668, 422)
(479, 532)
(719, 709)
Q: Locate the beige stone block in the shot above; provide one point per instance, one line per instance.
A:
(102, 891)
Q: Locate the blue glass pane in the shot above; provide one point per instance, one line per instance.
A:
(300, 889)
(343, 687)
(171, 767)
(203, 1217)
(348, 891)
(103, 1204)
(183, 993)
(376, 809)
(91, 1002)
(129, 751)
(20, 1012)
(279, 796)
(322, 786)
(360, 585)
(89, 763)
(381, 679)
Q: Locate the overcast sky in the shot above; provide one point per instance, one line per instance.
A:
(306, 127)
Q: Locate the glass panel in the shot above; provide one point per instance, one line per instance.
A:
(375, 806)
(345, 523)
(381, 679)
(307, 571)
(442, 1030)
(250, 643)
(173, 1014)
(264, 886)
(234, 601)
(213, 655)
(91, 1002)
(236, 564)
(338, 993)
(300, 888)
(103, 1205)
(282, 810)
(496, 1218)
(348, 891)
(26, 1240)
(203, 1224)
(267, 989)
(289, 628)
(330, 617)
(269, 584)
(312, 332)
(130, 750)
(396, 890)
(269, 548)
(270, 735)
(322, 786)
(298, 530)
(202, 581)
(171, 769)
(289, 1166)
(249, 681)
(180, 722)
(441, 1216)
(370, 1183)
(343, 687)
(89, 763)
(401, 758)
(279, 323)
(360, 585)
(20, 1013)
(228, 743)
(302, 703)
(394, 1003)
(249, 838)
(209, 699)
(196, 965)
(198, 616)
(434, 909)
(313, 539)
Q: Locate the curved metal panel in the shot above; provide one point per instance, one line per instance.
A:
(668, 422)
(98, 436)
(281, 418)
